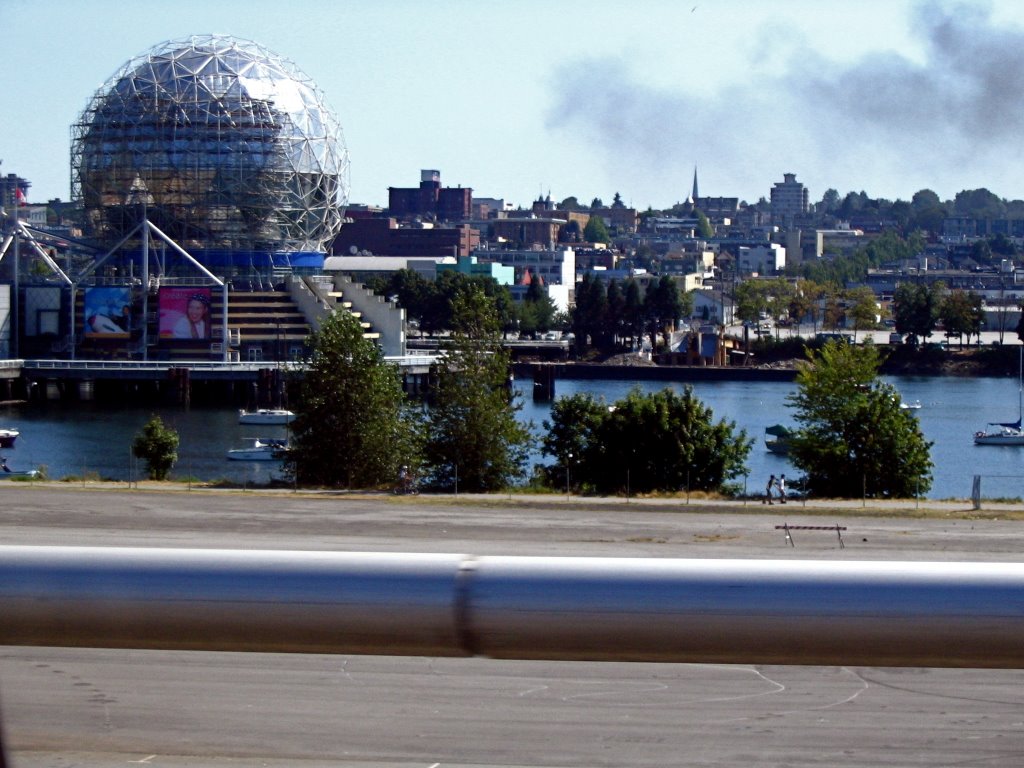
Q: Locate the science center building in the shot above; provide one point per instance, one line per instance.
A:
(208, 177)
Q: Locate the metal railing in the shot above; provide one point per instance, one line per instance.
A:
(935, 614)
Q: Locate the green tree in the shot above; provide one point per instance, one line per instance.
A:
(633, 313)
(663, 308)
(472, 438)
(924, 199)
(853, 438)
(615, 313)
(981, 251)
(595, 231)
(916, 309)
(588, 315)
(663, 441)
(570, 232)
(568, 435)
(450, 285)
(704, 229)
(801, 302)
(829, 201)
(413, 291)
(157, 445)
(862, 308)
(537, 310)
(751, 299)
(979, 204)
(961, 314)
(351, 428)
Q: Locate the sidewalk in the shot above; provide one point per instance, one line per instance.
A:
(697, 503)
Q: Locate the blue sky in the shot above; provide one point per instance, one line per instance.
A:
(584, 98)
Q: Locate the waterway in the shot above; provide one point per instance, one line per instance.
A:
(89, 440)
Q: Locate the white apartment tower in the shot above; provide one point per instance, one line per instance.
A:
(789, 198)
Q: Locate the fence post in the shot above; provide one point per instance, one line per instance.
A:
(976, 492)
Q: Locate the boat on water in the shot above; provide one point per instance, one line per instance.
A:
(265, 416)
(1011, 432)
(6, 473)
(262, 449)
(8, 436)
(776, 439)
(910, 406)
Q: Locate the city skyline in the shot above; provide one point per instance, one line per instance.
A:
(526, 98)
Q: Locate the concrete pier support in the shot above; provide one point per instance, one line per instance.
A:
(86, 389)
(181, 385)
(543, 383)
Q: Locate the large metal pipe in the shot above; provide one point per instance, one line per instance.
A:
(729, 611)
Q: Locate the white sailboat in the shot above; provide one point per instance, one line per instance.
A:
(1007, 433)
(265, 416)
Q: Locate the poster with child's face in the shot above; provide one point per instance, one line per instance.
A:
(184, 313)
(108, 312)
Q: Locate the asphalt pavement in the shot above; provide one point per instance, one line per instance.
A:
(83, 707)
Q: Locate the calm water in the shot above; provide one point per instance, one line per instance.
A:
(83, 439)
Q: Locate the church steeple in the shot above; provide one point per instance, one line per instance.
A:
(694, 196)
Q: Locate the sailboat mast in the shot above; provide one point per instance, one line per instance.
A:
(1020, 388)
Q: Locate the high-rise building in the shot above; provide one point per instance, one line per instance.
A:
(789, 198)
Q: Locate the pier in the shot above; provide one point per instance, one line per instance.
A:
(255, 384)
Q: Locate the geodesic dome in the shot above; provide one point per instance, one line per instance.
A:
(224, 145)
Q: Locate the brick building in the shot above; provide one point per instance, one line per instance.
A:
(431, 200)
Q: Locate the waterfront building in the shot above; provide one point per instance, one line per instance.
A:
(211, 177)
(230, 149)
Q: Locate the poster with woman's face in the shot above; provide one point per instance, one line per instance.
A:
(108, 312)
(184, 313)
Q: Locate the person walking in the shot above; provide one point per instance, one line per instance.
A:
(769, 489)
(781, 485)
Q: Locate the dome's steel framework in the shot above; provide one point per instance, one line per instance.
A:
(224, 145)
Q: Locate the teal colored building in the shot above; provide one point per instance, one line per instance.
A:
(468, 265)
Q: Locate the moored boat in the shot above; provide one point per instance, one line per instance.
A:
(262, 449)
(1007, 433)
(8, 436)
(6, 473)
(265, 416)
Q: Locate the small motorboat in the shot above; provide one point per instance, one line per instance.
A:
(6, 473)
(262, 449)
(265, 416)
(8, 436)
(910, 406)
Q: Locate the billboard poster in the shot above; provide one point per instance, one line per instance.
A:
(184, 313)
(108, 312)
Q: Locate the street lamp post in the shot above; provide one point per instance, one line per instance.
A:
(568, 459)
